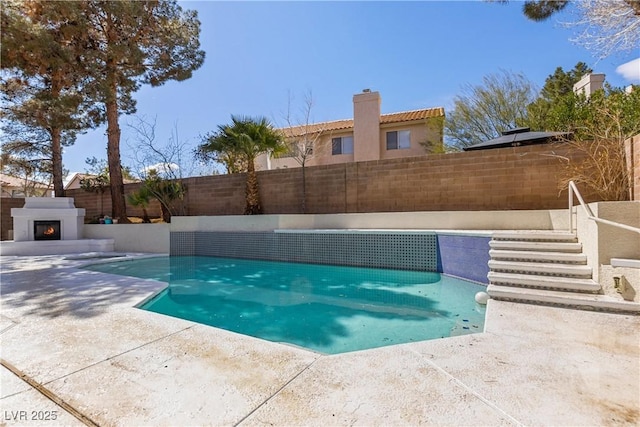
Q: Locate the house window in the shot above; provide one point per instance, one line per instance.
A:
(398, 140)
(297, 149)
(342, 145)
(290, 151)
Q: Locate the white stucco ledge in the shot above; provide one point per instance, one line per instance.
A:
(153, 238)
(627, 263)
(438, 220)
(56, 247)
(475, 233)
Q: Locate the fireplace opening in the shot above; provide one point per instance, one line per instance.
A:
(46, 230)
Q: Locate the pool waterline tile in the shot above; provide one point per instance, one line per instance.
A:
(407, 251)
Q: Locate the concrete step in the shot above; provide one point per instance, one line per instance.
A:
(536, 246)
(544, 268)
(534, 235)
(579, 300)
(625, 263)
(544, 282)
(537, 256)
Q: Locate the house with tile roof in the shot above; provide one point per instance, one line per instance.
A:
(75, 180)
(12, 186)
(369, 135)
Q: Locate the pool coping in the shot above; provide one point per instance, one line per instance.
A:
(460, 380)
(477, 233)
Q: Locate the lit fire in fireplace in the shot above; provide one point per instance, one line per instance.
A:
(46, 230)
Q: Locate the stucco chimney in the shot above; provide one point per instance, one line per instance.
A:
(366, 126)
(588, 84)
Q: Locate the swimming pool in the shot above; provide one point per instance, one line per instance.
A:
(329, 309)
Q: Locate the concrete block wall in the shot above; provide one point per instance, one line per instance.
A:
(6, 221)
(100, 204)
(520, 178)
(510, 178)
(498, 179)
(216, 195)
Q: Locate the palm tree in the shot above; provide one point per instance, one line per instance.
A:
(141, 198)
(245, 138)
(167, 192)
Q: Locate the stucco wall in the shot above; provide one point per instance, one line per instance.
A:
(366, 123)
(153, 238)
(481, 220)
(419, 134)
(601, 242)
(321, 155)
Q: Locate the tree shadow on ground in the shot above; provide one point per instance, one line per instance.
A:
(65, 291)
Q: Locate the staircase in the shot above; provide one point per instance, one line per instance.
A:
(545, 267)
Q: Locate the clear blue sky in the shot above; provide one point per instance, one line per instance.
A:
(416, 54)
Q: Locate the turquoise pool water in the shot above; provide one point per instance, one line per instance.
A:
(329, 309)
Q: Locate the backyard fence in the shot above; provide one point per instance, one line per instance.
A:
(498, 179)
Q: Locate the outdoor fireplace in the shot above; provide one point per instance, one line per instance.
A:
(48, 226)
(47, 218)
(46, 230)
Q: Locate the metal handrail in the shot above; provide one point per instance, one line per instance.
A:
(574, 190)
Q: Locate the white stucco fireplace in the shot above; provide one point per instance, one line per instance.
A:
(42, 210)
(49, 226)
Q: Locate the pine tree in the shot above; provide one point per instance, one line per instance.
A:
(44, 89)
(540, 10)
(133, 43)
(605, 26)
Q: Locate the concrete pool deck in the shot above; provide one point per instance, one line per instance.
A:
(76, 339)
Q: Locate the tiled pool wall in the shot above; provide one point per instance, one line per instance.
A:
(457, 255)
(464, 256)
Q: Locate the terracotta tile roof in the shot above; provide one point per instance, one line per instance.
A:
(12, 181)
(408, 116)
(318, 127)
(80, 175)
(74, 181)
(337, 125)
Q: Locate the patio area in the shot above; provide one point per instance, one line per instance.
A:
(75, 338)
